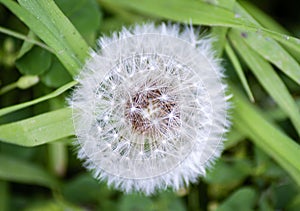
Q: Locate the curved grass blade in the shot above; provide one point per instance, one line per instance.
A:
(40, 129)
(273, 52)
(264, 134)
(57, 92)
(262, 18)
(202, 13)
(238, 68)
(266, 46)
(46, 20)
(268, 78)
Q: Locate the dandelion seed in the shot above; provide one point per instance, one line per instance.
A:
(151, 110)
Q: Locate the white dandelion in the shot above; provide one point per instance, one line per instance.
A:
(150, 111)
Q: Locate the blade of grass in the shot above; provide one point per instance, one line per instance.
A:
(262, 17)
(277, 114)
(273, 52)
(266, 46)
(185, 11)
(220, 32)
(56, 93)
(59, 25)
(237, 66)
(40, 129)
(265, 135)
(268, 78)
(202, 13)
(17, 170)
(46, 20)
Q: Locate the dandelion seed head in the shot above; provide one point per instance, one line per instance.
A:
(150, 110)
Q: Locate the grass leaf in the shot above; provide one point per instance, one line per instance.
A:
(40, 129)
(46, 20)
(56, 93)
(268, 78)
(202, 13)
(266, 136)
(266, 46)
(238, 68)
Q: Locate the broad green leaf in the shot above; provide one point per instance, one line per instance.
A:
(202, 13)
(34, 62)
(46, 20)
(169, 201)
(268, 78)
(238, 68)
(56, 93)
(40, 129)
(94, 191)
(56, 75)
(17, 170)
(135, 202)
(242, 199)
(265, 135)
(229, 173)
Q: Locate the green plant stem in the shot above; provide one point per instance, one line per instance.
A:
(25, 38)
(8, 88)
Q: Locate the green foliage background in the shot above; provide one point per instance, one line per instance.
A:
(44, 43)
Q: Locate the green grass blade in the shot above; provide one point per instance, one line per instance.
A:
(202, 13)
(268, 78)
(59, 25)
(266, 46)
(17, 170)
(40, 129)
(57, 92)
(264, 134)
(238, 68)
(263, 18)
(282, 59)
(46, 20)
(184, 11)
(219, 33)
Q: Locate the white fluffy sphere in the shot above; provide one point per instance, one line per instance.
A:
(150, 111)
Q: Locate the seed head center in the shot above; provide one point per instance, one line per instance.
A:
(151, 112)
